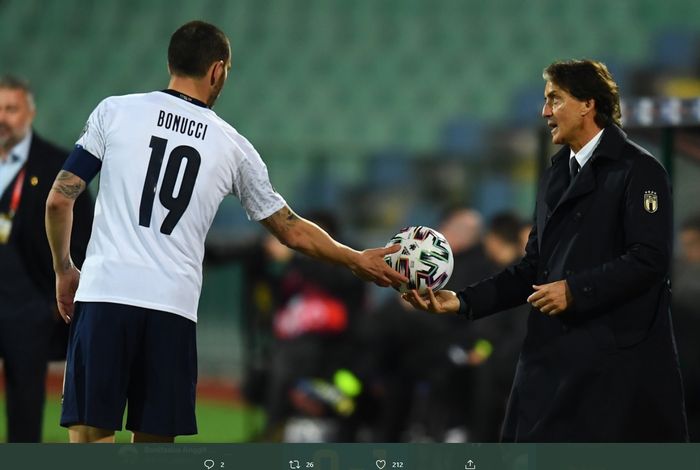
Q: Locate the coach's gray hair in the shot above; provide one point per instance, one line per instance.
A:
(13, 82)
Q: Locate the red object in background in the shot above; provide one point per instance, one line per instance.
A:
(311, 311)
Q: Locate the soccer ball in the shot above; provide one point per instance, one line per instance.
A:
(425, 258)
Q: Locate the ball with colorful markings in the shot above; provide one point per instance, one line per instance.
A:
(425, 258)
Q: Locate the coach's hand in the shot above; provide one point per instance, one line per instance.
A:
(442, 301)
(371, 266)
(552, 298)
(66, 285)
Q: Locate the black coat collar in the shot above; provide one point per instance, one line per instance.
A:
(610, 145)
(558, 189)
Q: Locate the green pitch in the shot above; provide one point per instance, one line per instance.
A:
(217, 422)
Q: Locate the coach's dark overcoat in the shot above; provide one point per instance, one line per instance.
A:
(605, 370)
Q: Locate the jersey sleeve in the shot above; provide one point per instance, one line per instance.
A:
(252, 185)
(92, 139)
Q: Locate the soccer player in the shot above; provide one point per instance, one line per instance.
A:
(166, 161)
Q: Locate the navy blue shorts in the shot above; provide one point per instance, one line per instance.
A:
(119, 354)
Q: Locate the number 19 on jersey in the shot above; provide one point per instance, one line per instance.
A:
(176, 204)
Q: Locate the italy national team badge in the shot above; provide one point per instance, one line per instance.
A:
(651, 201)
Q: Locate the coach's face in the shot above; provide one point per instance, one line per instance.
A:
(565, 116)
(16, 116)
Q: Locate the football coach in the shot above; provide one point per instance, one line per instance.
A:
(599, 361)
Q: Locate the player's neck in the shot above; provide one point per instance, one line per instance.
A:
(191, 87)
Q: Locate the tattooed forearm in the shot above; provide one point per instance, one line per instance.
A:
(68, 184)
(66, 263)
(290, 218)
(281, 221)
(308, 238)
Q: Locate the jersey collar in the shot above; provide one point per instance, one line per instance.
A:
(185, 97)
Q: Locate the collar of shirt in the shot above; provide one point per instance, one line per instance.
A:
(15, 161)
(586, 151)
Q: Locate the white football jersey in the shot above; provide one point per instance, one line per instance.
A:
(167, 163)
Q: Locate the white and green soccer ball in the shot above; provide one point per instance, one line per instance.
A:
(425, 258)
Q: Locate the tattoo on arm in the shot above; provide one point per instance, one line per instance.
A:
(290, 218)
(68, 184)
(281, 221)
(66, 263)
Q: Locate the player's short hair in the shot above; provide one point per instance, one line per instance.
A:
(194, 47)
(12, 82)
(585, 80)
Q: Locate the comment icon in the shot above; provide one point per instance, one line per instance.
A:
(209, 463)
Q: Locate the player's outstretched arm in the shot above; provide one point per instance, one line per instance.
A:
(59, 223)
(442, 301)
(308, 238)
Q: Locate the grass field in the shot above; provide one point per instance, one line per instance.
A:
(218, 421)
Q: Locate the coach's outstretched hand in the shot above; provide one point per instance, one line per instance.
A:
(442, 301)
(371, 266)
(66, 285)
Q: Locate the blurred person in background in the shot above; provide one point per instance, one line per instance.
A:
(263, 261)
(453, 379)
(401, 357)
(417, 368)
(686, 316)
(31, 332)
(463, 229)
(503, 241)
(317, 308)
(504, 333)
(599, 361)
(137, 237)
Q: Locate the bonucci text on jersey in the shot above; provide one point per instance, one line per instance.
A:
(181, 124)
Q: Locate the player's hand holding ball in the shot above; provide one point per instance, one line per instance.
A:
(371, 267)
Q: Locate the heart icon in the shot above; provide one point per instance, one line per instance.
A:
(380, 464)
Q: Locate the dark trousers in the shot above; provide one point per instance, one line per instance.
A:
(26, 325)
(24, 347)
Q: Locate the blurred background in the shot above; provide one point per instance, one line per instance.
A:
(372, 115)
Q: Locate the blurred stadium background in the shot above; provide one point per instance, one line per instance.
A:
(383, 111)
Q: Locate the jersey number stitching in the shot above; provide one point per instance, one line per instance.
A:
(177, 204)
